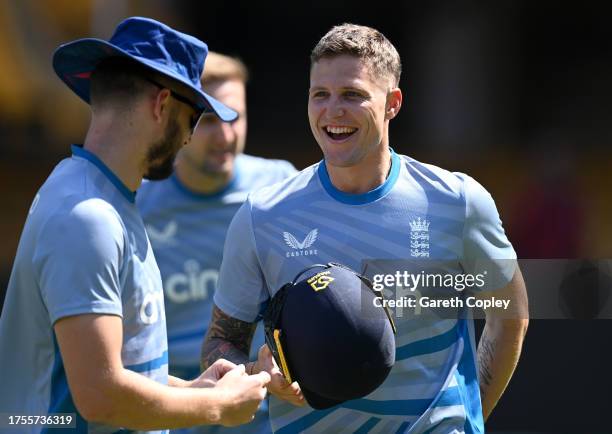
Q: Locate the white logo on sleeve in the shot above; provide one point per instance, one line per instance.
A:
(301, 247)
(165, 235)
(193, 284)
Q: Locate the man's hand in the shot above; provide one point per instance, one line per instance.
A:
(242, 394)
(278, 386)
(213, 374)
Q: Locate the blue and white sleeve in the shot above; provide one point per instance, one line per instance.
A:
(77, 260)
(486, 248)
(241, 290)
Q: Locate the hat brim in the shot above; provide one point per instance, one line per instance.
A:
(75, 61)
(318, 402)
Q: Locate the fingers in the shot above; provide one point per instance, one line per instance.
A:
(223, 366)
(265, 351)
(278, 379)
(295, 390)
(265, 355)
(235, 372)
(295, 387)
(291, 396)
(261, 350)
(290, 392)
(263, 377)
(225, 363)
(244, 392)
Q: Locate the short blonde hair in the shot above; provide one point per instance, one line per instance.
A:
(219, 67)
(363, 42)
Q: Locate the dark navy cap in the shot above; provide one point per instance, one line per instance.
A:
(326, 333)
(176, 56)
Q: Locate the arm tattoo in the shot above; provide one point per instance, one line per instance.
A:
(486, 348)
(227, 338)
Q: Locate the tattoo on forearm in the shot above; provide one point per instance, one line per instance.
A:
(486, 349)
(227, 338)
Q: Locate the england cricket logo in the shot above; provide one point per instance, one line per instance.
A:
(419, 238)
(302, 248)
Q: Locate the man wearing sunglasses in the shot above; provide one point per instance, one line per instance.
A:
(365, 202)
(197, 111)
(187, 216)
(83, 327)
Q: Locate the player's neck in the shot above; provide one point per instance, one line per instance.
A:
(363, 177)
(199, 182)
(118, 148)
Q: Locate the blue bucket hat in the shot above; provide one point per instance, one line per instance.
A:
(175, 55)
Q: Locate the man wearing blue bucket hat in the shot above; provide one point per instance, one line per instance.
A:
(83, 328)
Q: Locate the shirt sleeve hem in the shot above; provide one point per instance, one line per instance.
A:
(94, 307)
(229, 309)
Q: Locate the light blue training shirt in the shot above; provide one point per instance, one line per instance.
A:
(419, 212)
(83, 250)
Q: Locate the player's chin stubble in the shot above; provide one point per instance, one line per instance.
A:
(161, 155)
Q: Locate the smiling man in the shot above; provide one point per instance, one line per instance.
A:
(363, 201)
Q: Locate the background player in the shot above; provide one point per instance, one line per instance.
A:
(188, 214)
(83, 327)
(363, 201)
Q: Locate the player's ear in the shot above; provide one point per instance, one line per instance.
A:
(161, 103)
(394, 103)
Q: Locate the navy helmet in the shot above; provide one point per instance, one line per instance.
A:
(326, 332)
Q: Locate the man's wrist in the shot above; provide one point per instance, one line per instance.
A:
(251, 368)
(178, 382)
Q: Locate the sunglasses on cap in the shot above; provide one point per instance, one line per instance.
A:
(195, 118)
(272, 332)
